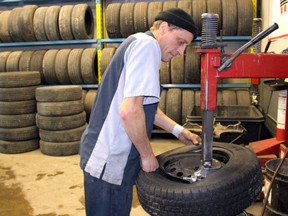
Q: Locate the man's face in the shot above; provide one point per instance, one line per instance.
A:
(173, 42)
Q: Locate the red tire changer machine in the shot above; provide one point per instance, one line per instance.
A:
(215, 63)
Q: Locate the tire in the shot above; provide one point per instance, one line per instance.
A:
(82, 22)
(60, 108)
(187, 103)
(225, 192)
(61, 66)
(74, 66)
(169, 4)
(229, 97)
(19, 79)
(64, 22)
(54, 123)
(245, 17)
(153, 9)
(24, 61)
(127, 19)
(4, 33)
(51, 23)
(26, 22)
(69, 135)
(14, 25)
(58, 93)
(12, 63)
(59, 149)
(36, 63)
(140, 17)
(173, 104)
(106, 56)
(39, 23)
(17, 94)
(185, 5)
(19, 134)
(14, 121)
(198, 8)
(16, 147)
(215, 6)
(192, 70)
(165, 77)
(48, 67)
(17, 107)
(3, 59)
(230, 19)
(88, 65)
(89, 101)
(177, 70)
(243, 97)
(113, 20)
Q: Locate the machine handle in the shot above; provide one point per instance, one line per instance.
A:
(253, 41)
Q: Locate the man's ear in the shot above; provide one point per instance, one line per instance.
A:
(163, 28)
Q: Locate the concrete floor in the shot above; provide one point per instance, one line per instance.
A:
(34, 184)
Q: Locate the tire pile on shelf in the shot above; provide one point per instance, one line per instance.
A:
(124, 19)
(63, 66)
(178, 103)
(18, 130)
(34, 23)
(61, 119)
(181, 69)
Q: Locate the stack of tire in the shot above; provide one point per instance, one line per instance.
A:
(18, 130)
(33, 23)
(63, 66)
(124, 19)
(61, 119)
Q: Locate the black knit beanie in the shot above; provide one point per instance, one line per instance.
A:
(180, 18)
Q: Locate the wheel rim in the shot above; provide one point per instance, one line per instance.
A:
(181, 166)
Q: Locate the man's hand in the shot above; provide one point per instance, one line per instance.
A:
(189, 138)
(149, 163)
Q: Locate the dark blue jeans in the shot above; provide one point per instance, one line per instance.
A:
(105, 199)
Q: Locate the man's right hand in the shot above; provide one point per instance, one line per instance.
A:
(149, 163)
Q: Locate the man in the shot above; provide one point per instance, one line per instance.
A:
(115, 145)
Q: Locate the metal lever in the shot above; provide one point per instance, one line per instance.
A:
(253, 41)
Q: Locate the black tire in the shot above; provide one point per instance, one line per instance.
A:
(16, 147)
(225, 192)
(192, 70)
(26, 22)
(39, 23)
(64, 22)
(177, 70)
(127, 19)
(215, 6)
(51, 23)
(82, 22)
(58, 93)
(169, 4)
(4, 32)
(229, 97)
(186, 6)
(162, 102)
(19, 134)
(113, 20)
(61, 66)
(173, 104)
(89, 101)
(59, 149)
(88, 65)
(54, 123)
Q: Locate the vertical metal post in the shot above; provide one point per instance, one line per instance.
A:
(99, 27)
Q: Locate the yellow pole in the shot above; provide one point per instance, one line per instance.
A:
(99, 24)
